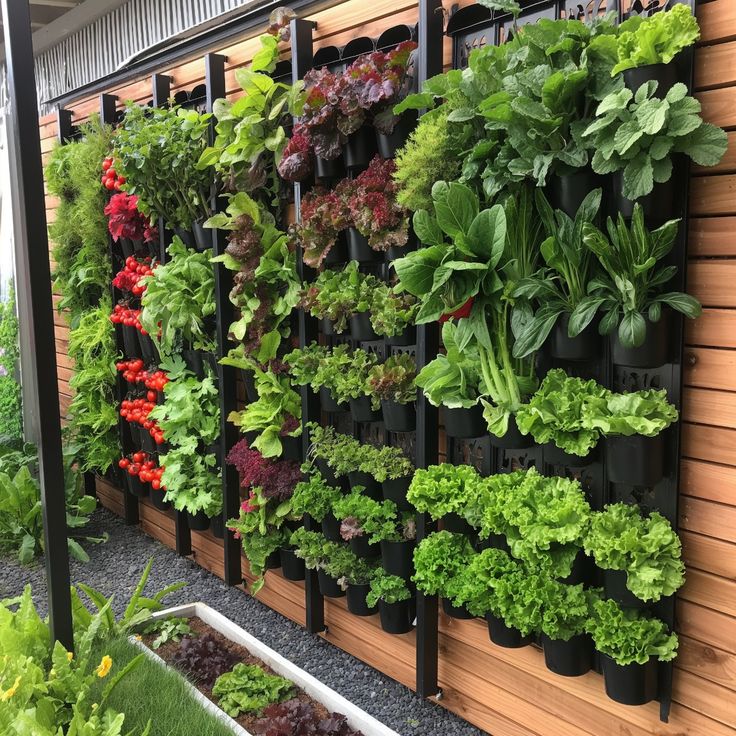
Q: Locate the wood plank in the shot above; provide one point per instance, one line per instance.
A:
(706, 625)
(719, 106)
(709, 554)
(714, 328)
(711, 281)
(706, 406)
(709, 368)
(717, 21)
(701, 660)
(703, 696)
(714, 444)
(715, 66)
(716, 520)
(710, 591)
(713, 195)
(708, 481)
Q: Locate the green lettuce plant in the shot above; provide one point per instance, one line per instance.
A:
(441, 563)
(318, 366)
(656, 39)
(387, 588)
(312, 547)
(192, 481)
(646, 548)
(517, 600)
(178, 299)
(479, 580)
(393, 380)
(247, 688)
(350, 381)
(638, 133)
(628, 636)
(644, 412)
(633, 279)
(314, 497)
(378, 520)
(443, 489)
(334, 559)
(565, 609)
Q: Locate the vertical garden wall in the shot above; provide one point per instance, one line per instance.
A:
(503, 690)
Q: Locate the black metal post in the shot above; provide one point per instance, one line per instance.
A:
(64, 127)
(161, 84)
(430, 38)
(33, 276)
(214, 65)
(302, 56)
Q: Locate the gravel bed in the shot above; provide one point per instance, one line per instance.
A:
(116, 567)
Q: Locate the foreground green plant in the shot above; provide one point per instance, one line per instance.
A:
(248, 689)
(11, 411)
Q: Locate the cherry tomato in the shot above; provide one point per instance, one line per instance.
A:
(152, 396)
(156, 484)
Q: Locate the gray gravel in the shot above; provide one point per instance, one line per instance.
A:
(116, 567)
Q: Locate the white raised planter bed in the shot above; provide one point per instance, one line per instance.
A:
(334, 702)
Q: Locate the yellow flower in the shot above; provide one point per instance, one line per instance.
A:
(11, 691)
(69, 656)
(138, 637)
(105, 666)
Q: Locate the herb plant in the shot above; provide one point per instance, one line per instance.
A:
(192, 481)
(249, 689)
(646, 548)
(387, 588)
(634, 279)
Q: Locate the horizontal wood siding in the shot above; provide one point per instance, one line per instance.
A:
(510, 692)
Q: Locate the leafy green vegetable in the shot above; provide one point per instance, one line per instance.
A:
(639, 133)
(249, 689)
(11, 411)
(443, 489)
(643, 412)
(656, 39)
(565, 609)
(477, 586)
(634, 281)
(314, 497)
(627, 636)
(378, 520)
(192, 481)
(387, 588)
(646, 548)
(441, 561)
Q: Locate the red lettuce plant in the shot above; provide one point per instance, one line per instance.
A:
(276, 478)
(125, 221)
(373, 209)
(295, 718)
(203, 658)
(296, 159)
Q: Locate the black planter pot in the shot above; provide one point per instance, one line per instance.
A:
(361, 328)
(513, 439)
(202, 236)
(135, 434)
(407, 337)
(360, 148)
(217, 526)
(664, 74)
(395, 490)
(130, 342)
(614, 587)
(198, 522)
(157, 499)
(193, 361)
(371, 487)
(328, 474)
(360, 547)
(567, 192)
(585, 346)
(291, 448)
(389, 144)
(273, 561)
(395, 252)
(636, 460)
(147, 442)
(494, 541)
(136, 487)
(571, 658)
(326, 326)
(328, 586)
(397, 618)
(653, 352)
(292, 568)
(362, 411)
(397, 558)
(556, 456)
(505, 636)
(250, 386)
(331, 528)
(582, 569)
(337, 255)
(459, 612)
(457, 525)
(356, 600)
(186, 237)
(660, 205)
(329, 404)
(359, 250)
(127, 247)
(465, 423)
(332, 168)
(630, 684)
(399, 417)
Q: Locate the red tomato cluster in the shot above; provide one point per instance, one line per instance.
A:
(133, 372)
(140, 464)
(136, 411)
(111, 180)
(130, 277)
(124, 315)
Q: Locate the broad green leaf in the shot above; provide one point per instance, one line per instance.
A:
(457, 210)
(487, 235)
(427, 229)
(706, 145)
(633, 329)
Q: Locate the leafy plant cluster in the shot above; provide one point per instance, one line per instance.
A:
(294, 717)
(203, 658)
(247, 688)
(337, 295)
(344, 454)
(350, 374)
(379, 521)
(314, 496)
(574, 413)
(276, 478)
(11, 410)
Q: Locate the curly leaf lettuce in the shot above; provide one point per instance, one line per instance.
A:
(642, 412)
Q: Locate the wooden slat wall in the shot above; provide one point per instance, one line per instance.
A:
(509, 692)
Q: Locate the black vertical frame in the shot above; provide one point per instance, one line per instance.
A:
(302, 57)
(35, 308)
(430, 42)
(214, 65)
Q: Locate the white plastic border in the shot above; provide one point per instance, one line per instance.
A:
(334, 702)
